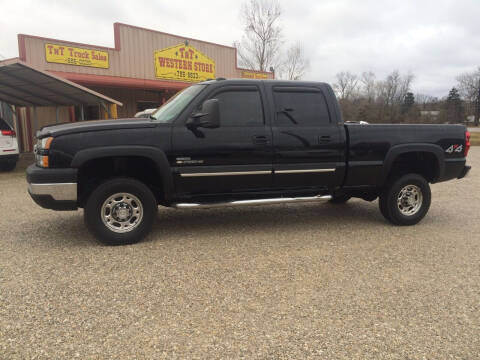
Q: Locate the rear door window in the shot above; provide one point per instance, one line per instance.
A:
(300, 108)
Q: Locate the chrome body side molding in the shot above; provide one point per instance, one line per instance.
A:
(227, 173)
(300, 171)
(260, 172)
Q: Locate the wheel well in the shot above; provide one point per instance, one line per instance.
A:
(95, 171)
(418, 162)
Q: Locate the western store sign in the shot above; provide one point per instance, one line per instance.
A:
(184, 63)
(62, 54)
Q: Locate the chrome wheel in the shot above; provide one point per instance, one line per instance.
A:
(122, 212)
(409, 200)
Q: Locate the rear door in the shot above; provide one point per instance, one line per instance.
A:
(236, 157)
(309, 147)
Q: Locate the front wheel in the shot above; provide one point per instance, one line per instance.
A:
(406, 200)
(120, 211)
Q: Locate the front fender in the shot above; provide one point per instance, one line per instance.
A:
(156, 155)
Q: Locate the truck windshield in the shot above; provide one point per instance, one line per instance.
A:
(172, 108)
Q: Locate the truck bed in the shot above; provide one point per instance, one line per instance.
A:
(369, 146)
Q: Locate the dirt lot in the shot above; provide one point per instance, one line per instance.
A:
(275, 282)
(475, 138)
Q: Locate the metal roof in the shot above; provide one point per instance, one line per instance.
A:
(24, 85)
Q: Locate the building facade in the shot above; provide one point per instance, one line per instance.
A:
(142, 70)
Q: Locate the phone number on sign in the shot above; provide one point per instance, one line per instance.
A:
(187, 74)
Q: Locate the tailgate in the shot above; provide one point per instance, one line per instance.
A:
(5, 141)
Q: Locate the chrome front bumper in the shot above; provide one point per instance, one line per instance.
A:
(58, 191)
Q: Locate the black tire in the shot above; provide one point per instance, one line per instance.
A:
(8, 166)
(416, 200)
(340, 199)
(94, 212)
(382, 204)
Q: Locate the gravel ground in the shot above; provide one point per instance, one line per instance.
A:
(274, 282)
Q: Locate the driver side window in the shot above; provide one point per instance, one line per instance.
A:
(242, 108)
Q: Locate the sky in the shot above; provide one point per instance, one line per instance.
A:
(435, 40)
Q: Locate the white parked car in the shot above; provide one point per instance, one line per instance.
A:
(8, 147)
(145, 113)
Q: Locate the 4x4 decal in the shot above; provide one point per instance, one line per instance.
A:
(454, 148)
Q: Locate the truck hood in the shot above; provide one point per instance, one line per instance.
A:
(97, 125)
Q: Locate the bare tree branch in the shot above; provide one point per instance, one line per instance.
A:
(260, 45)
(368, 81)
(391, 93)
(469, 86)
(295, 64)
(346, 85)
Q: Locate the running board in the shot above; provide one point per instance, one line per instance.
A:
(253, 202)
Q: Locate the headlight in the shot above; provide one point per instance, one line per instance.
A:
(41, 151)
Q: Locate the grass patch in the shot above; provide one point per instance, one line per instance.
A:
(475, 138)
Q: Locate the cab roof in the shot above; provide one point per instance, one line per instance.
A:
(258, 81)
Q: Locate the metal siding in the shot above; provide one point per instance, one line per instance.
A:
(135, 57)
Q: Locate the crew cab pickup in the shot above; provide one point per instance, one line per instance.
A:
(234, 143)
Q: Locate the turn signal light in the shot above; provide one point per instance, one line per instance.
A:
(467, 142)
(41, 151)
(47, 142)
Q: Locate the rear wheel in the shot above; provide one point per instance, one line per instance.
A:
(120, 211)
(406, 200)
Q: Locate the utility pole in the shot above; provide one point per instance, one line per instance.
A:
(477, 104)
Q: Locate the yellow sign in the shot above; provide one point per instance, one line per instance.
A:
(62, 54)
(253, 75)
(184, 63)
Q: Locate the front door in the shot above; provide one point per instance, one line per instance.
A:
(233, 158)
(308, 146)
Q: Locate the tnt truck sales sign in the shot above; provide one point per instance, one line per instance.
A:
(184, 63)
(70, 55)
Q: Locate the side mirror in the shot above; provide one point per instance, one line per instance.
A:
(208, 117)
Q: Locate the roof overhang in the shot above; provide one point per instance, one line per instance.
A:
(24, 85)
(125, 82)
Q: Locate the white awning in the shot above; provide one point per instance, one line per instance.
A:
(24, 85)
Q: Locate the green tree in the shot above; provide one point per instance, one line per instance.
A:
(454, 111)
(408, 102)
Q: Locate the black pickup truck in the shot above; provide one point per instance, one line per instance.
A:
(239, 142)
